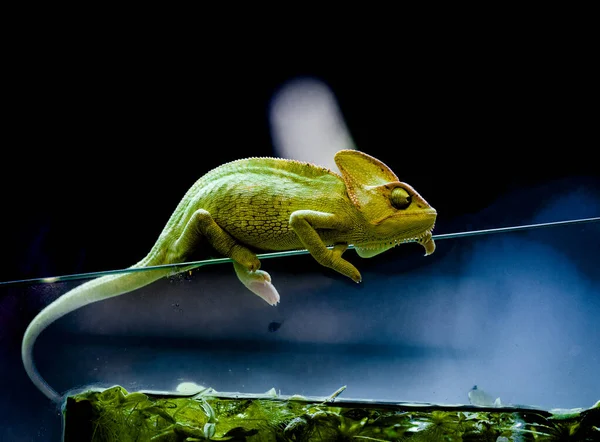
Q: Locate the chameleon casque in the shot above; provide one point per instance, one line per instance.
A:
(267, 204)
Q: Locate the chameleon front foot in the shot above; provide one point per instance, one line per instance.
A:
(343, 266)
(258, 282)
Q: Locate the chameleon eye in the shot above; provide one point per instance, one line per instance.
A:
(400, 198)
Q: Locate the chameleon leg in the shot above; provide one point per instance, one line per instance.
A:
(245, 262)
(202, 224)
(304, 223)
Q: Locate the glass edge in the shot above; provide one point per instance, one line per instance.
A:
(185, 266)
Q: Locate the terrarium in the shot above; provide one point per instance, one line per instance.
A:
(493, 337)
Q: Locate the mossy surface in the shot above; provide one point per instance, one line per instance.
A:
(116, 415)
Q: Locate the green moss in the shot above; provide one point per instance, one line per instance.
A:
(116, 415)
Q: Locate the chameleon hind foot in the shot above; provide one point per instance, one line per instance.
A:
(258, 282)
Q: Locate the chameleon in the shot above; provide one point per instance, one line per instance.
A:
(256, 204)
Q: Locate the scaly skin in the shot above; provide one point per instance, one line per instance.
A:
(268, 204)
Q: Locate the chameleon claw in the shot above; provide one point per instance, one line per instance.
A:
(260, 285)
(258, 282)
(355, 276)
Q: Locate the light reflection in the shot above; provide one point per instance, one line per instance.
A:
(307, 124)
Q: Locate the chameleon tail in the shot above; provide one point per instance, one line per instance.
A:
(89, 292)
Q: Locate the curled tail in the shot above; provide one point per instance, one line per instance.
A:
(89, 292)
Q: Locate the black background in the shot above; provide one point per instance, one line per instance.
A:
(105, 135)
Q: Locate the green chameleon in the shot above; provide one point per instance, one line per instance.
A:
(268, 204)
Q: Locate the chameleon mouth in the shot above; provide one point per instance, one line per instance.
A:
(371, 249)
(421, 238)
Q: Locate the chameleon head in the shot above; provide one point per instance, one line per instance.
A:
(393, 212)
(396, 214)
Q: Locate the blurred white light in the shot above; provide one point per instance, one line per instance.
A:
(306, 123)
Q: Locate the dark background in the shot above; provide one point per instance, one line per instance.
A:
(104, 134)
(105, 137)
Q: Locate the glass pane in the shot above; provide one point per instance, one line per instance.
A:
(515, 313)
